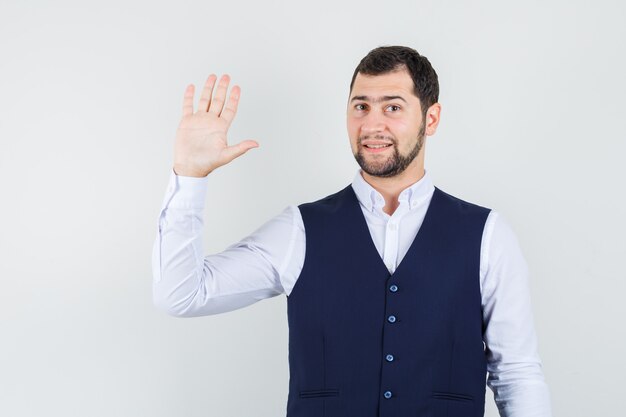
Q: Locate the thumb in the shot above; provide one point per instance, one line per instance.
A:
(233, 151)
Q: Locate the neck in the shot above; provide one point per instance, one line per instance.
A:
(391, 187)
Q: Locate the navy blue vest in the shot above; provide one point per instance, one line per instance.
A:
(364, 343)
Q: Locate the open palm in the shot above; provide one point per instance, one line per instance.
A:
(201, 139)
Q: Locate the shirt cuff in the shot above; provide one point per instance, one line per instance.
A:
(186, 192)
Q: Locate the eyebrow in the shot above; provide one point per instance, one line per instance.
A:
(377, 100)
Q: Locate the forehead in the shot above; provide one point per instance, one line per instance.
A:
(388, 84)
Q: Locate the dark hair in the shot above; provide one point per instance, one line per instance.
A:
(386, 59)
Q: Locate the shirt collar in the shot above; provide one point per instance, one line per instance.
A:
(372, 199)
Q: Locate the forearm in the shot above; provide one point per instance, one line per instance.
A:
(180, 282)
(182, 285)
(187, 283)
(520, 389)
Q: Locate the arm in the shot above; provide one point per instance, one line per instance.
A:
(185, 282)
(513, 363)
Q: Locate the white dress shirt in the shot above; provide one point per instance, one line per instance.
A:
(268, 262)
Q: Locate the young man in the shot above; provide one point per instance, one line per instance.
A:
(401, 297)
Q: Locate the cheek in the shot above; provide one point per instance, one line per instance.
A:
(351, 124)
(400, 126)
(404, 130)
(353, 131)
(353, 143)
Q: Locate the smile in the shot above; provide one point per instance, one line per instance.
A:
(377, 146)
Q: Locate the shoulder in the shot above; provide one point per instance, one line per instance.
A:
(329, 203)
(461, 205)
(500, 238)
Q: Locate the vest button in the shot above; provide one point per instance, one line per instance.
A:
(391, 319)
(389, 358)
(387, 394)
(393, 288)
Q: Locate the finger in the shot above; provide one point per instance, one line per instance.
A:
(188, 100)
(233, 151)
(220, 95)
(230, 110)
(207, 91)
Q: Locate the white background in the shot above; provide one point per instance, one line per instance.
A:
(90, 98)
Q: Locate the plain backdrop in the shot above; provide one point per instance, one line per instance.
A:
(90, 97)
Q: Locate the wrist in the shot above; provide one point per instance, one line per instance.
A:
(184, 171)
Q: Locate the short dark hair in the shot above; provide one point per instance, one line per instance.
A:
(386, 59)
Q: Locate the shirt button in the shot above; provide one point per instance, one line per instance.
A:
(393, 226)
(387, 394)
(389, 358)
(391, 319)
(393, 288)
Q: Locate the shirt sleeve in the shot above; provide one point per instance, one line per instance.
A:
(187, 284)
(514, 368)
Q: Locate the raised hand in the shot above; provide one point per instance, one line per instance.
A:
(201, 144)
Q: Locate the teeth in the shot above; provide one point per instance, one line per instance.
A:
(376, 146)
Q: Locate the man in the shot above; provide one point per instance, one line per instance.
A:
(401, 298)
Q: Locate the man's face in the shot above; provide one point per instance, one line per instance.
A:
(385, 123)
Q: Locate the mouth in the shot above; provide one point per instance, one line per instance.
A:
(377, 147)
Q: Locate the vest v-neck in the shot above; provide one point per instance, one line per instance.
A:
(364, 229)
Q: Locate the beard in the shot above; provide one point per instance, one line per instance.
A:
(396, 163)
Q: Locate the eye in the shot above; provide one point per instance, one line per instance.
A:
(393, 107)
(359, 107)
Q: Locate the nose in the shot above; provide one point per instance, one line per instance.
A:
(372, 123)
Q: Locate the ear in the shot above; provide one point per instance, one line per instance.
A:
(432, 119)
